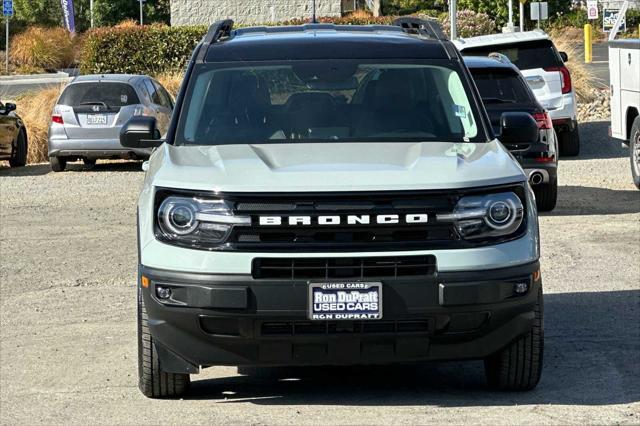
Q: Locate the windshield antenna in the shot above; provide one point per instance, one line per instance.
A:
(313, 11)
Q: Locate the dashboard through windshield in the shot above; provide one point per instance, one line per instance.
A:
(327, 101)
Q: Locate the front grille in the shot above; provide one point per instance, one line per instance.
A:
(345, 236)
(350, 233)
(344, 268)
(298, 328)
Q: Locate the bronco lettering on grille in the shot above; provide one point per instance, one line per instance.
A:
(332, 220)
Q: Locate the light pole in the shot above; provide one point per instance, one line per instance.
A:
(522, 15)
(91, 12)
(453, 19)
(313, 16)
(141, 22)
(510, 13)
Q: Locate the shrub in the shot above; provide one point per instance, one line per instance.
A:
(155, 49)
(149, 49)
(44, 48)
(408, 7)
(471, 24)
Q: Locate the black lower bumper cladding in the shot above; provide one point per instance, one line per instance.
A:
(238, 320)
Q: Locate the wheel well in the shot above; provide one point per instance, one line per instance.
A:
(632, 113)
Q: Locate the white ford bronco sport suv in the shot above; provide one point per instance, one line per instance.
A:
(334, 195)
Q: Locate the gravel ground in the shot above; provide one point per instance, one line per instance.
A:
(68, 348)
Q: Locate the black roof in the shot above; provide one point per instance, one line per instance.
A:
(475, 62)
(324, 41)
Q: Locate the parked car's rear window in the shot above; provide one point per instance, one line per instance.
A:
(110, 93)
(332, 101)
(525, 55)
(501, 86)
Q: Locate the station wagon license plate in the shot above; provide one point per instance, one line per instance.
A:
(345, 301)
(96, 119)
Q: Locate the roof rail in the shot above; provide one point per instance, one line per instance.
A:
(423, 26)
(217, 30)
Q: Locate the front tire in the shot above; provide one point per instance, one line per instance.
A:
(58, 164)
(546, 195)
(634, 151)
(569, 142)
(153, 382)
(518, 367)
(19, 157)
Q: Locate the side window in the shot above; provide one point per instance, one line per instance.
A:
(165, 99)
(153, 93)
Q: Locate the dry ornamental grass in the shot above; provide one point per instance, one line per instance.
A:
(43, 48)
(582, 79)
(35, 110)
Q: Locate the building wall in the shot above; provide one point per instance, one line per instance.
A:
(191, 12)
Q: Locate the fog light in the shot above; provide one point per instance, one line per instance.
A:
(521, 288)
(163, 293)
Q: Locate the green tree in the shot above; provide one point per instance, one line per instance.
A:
(111, 12)
(38, 12)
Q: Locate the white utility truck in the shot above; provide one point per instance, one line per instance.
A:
(624, 71)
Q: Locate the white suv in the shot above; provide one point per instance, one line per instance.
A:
(543, 67)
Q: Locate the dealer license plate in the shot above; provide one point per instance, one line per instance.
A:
(96, 119)
(345, 301)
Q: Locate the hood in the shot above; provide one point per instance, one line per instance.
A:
(310, 167)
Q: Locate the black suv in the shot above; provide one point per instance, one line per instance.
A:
(503, 89)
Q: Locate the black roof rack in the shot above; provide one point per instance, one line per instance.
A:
(422, 26)
(217, 30)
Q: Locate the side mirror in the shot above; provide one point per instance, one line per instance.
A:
(518, 127)
(8, 107)
(140, 132)
(564, 56)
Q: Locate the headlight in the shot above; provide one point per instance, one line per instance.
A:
(485, 216)
(195, 221)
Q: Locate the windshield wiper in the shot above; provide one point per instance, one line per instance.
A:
(498, 101)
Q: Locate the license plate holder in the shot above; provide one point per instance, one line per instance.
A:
(96, 119)
(345, 301)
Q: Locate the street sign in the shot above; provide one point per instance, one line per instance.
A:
(7, 7)
(592, 9)
(609, 17)
(539, 11)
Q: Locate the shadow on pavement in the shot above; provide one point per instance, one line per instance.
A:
(586, 200)
(592, 357)
(595, 143)
(31, 170)
(43, 169)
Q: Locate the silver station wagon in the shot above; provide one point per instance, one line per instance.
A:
(88, 116)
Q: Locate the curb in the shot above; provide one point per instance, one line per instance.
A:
(59, 77)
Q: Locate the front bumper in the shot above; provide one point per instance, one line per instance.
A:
(238, 320)
(94, 148)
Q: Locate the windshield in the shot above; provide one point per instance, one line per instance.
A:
(318, 101)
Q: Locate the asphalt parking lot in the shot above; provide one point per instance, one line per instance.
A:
(67, 318)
